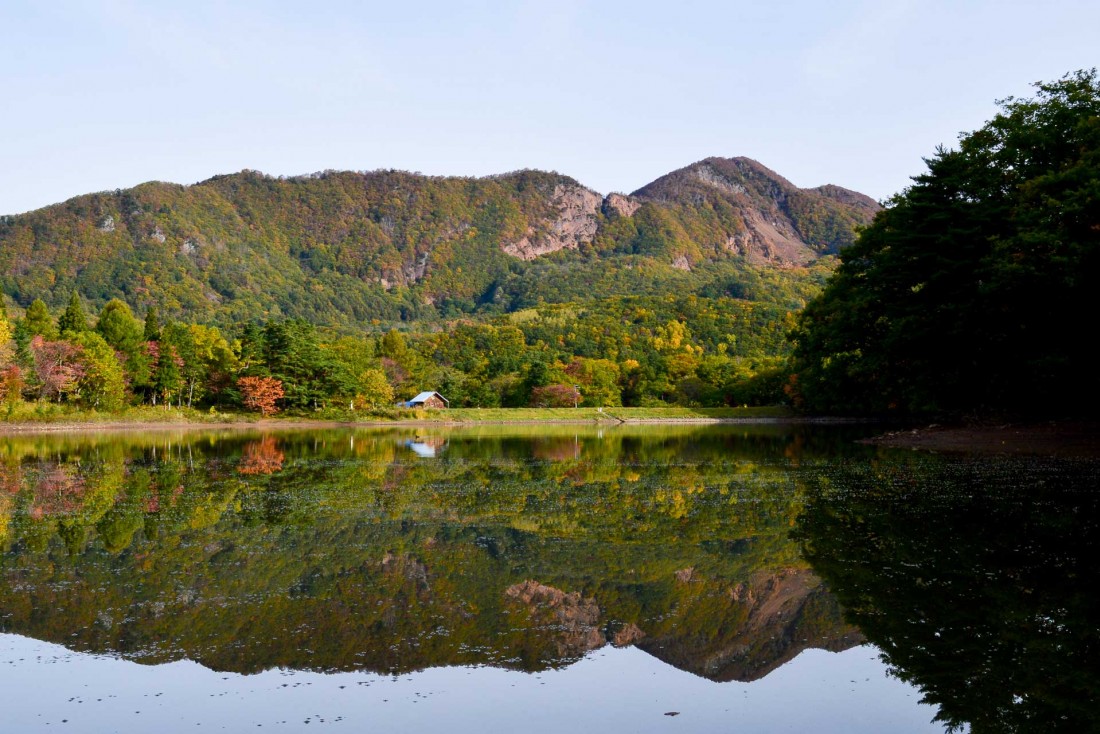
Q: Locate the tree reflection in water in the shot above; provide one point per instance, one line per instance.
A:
(977, 578)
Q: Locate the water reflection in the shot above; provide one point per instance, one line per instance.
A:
(393, 552)
(723, 551)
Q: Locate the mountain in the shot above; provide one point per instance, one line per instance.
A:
(738, 205)
(346, 248)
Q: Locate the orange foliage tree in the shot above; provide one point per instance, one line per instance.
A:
(260, 393)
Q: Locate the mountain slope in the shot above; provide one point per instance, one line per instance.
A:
(346, 247)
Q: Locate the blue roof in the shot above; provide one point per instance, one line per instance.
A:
(422, 397)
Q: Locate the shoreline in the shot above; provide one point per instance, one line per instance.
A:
(282, 424)
(1063, 438)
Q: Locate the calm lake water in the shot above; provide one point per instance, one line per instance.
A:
(549, 578)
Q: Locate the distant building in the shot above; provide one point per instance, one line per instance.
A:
(426, 400)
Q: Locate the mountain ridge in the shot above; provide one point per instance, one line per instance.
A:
(399, 246)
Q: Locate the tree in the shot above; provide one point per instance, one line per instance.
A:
(393, 345)
(7, 343)
(73, 320)
(102, 385)
(600, 379)
(260, 394)
(555, 396)
(121, 330)
(166, 377)
(37, 321)
(57, 366)
(967, 293)
(373, 389)
(11, 386)
(118, 326)
(151, 332)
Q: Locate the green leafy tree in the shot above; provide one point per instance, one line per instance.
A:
(167, 379)
(373, 389)
(968, 291)
(119, 328)
(598, 380)
(103, 383)
(117, 325)
(309, 375)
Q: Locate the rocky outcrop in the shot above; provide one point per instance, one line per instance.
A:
(620, 204)
(765, 240)
(573, 223)
(628, 634)
(407, 567)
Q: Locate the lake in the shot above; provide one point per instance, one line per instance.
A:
(539, 578)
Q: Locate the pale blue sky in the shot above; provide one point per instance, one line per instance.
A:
(103, 95)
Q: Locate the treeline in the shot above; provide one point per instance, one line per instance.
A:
(637, 351)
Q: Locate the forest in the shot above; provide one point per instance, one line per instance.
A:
(633, 351)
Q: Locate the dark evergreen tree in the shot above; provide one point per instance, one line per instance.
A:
(73, 320)
(152, 325)
(38, 322)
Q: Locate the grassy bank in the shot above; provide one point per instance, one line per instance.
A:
(31, 415)
(609, 415)
(50, 413)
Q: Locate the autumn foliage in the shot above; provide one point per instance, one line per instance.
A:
(260, 393)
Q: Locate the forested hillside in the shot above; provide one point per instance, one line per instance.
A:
(349, 290)
(362, 249)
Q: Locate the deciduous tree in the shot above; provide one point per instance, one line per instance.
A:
(261, 394)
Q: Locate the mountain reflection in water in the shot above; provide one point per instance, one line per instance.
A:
(527, 548)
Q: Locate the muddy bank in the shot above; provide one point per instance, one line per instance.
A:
(1054, 438)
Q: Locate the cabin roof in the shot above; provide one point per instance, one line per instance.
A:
(425, 395)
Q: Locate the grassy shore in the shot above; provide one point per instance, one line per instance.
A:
(49, 416)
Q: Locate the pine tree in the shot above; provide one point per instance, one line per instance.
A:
(38, 321)
(152, 325)
(73, 321)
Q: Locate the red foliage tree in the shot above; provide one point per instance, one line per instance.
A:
(11, 384)
(57, 366)
(260, 393)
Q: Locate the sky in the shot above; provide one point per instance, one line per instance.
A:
(105, 95)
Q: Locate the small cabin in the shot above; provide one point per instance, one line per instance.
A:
(427, 400)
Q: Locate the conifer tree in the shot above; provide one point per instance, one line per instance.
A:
(73, 320)
(38, 322)
(152, 325)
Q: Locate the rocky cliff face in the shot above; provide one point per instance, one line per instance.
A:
(573, 222)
